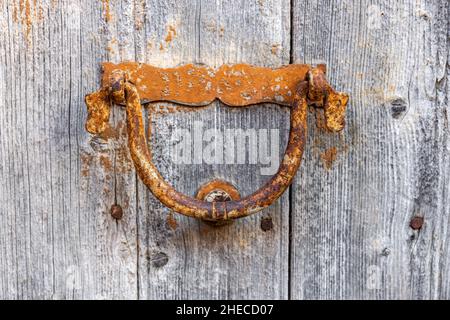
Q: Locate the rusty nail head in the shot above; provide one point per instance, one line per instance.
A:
(116, 211)
(416, 223)
(266, 224)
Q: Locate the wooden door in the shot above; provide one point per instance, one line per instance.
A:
(367, 216)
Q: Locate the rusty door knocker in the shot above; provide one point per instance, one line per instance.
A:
(133, 84)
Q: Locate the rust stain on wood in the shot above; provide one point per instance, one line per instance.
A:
(106, 10)
(118, 162)
(321, 123)
(26, 12)
(171, 221)
(171, 34)
(86, 161)
(328, 157)
(109, 133)
(106, 163)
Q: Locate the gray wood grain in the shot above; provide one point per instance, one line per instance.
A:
(350, 226)
(57, 237)
(344, 232)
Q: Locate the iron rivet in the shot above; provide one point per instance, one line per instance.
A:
(266, 224)
(116, 211)
(416, 223)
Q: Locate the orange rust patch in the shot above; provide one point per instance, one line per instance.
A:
(321, 122)
(109, 133)
(106, 163)
(171, 34)
(15, 15)
(86, 161)
(41, 13)
(24, 14)
(328, 157)
(106, 10)
(123, 160)
(171, 221)
(234, 85)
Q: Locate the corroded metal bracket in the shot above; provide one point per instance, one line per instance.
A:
(132, 84)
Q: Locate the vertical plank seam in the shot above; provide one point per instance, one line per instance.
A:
(51, 167)
(437, 276)
(137, 238)
(136, 178)
(330, 43)
(12, 183)
(290, 194)
(78, 135)
(28, 181)
(198, 12)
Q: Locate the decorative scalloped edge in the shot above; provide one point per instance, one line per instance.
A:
(235, 85)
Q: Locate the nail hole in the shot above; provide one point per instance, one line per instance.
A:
(116, 211)
(266, 224)
(386, 252)
(159, 259)
(398, 107)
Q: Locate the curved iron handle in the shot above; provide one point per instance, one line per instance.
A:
(313, 90)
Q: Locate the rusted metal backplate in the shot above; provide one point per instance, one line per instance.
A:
(235, 85)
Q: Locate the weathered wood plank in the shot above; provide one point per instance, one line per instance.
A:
(350, 233)
(193, 260)
(350, 226)
(57, 237)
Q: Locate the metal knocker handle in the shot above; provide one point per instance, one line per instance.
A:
(313, 89)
